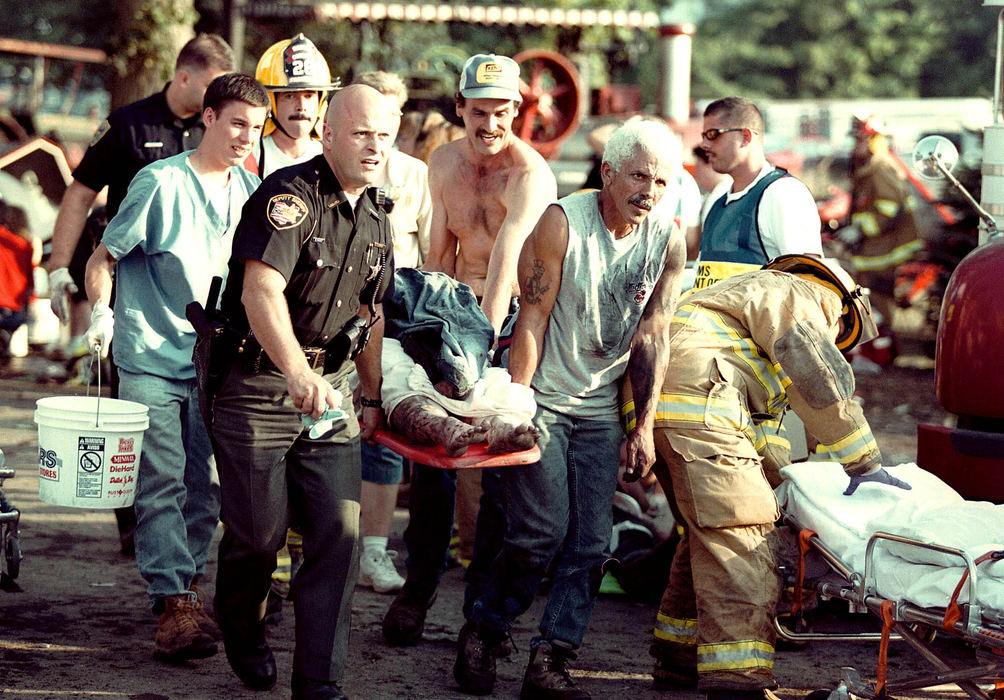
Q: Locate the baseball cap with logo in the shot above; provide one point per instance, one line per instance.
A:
(490, 76)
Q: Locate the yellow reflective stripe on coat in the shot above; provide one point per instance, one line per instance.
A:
(867, 222)
(675, 629)
(734, 656)
(896, 256)
(887, 207)
(693, 410)
(768, 374)
(853, 447)
(770, 432)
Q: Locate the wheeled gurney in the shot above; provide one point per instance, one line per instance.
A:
(923, 561)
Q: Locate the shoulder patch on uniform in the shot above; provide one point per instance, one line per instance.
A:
(102, 130)
(286, 210)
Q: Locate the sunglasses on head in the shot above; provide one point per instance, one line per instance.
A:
(712, 134)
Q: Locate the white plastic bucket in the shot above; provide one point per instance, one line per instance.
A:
(88, 452)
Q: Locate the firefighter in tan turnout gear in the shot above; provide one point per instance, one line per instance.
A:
(747, 347)
(883, 231)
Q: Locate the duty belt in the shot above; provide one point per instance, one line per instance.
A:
(314, 356)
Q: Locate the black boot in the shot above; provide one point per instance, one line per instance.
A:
(474, 669)
(405, 619)
(546, 676)
(308, 689)
(243, 632)
(251, 660)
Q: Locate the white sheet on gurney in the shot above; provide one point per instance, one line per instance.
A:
(930, 512)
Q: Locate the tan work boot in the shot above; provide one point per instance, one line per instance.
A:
(205, 621)
(179, 636)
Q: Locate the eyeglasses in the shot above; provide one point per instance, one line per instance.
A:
(713, 134)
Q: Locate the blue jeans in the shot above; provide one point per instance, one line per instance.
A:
(559, 507)
(177, 490)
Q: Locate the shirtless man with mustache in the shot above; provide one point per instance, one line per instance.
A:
(488, 189)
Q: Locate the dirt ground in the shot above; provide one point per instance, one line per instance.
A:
(80, 627)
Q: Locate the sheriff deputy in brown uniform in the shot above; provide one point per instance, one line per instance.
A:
(312, 258)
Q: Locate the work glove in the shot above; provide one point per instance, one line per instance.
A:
(880, 475)
(849, 235)
(61, 286)
(99, 335)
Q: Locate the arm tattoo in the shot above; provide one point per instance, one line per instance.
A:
(533, 287)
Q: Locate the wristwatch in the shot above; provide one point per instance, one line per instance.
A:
(370, 403)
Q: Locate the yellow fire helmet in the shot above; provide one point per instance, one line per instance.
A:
(859, 326)
(292, 65)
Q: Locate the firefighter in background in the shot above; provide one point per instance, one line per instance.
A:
(298, 80)
(755, 343)
(882, 233)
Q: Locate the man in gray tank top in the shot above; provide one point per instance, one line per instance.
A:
(599, 278)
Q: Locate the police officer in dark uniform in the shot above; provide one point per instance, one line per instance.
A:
(162, 125)
(312, 258)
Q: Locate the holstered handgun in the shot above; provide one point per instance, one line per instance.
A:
(214, 348)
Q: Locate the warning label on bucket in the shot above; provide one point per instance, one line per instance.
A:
(90, 459)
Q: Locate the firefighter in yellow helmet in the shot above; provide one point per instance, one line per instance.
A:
(750, 345)
(882, 233)
(298, 81)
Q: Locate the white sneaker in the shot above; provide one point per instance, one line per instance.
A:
(377, 571)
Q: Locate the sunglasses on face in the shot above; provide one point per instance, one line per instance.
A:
(713, 134)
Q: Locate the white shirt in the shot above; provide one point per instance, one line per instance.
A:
(406, 181)
(275, 159)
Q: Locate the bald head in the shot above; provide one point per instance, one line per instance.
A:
(359, 129)
(353, 100)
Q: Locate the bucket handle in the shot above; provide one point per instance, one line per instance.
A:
(97, 414)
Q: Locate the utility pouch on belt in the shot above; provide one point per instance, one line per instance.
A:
(215, 345)
(349, 342)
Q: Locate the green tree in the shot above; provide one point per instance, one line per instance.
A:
(858, 48)
(148, 36)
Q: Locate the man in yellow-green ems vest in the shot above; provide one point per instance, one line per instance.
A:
(760, 213)
(763, 212)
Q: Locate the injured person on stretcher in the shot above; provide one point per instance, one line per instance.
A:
(498, 411)
(437, 386)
